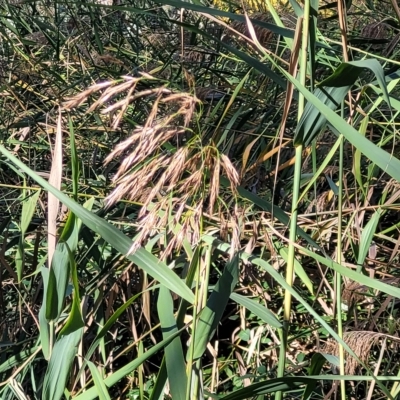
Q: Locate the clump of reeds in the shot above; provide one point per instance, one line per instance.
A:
(177, 187)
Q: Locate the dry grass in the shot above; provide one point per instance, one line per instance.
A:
(185, 182)
(361, 342)
(165, 159)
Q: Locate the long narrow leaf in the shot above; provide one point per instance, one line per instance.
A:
(381, 158)
(212, 313)
(174, 358)
(290, 383)
(128, 368)
(59, 367)
(112, 235)
(256, 308)
(99, 383)
(331, 93)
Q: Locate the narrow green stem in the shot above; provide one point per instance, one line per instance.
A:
(207, 274)
(51, 337)
(292, 238)
(303, 56)
(141, 373)
(196, 384)
(290, 267)
(189, 368)
(295, 199)
(338, 279)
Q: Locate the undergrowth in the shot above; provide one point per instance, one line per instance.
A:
(199, 200)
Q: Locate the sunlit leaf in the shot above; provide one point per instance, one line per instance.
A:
(113, 378)
(331, 93)
(258, 309)
(59, 368)
(75, 319)
(112, 235)
(174, 359)
(367, 237)
(98, 382)
(211, 315)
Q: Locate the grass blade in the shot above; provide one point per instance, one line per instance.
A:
(58, 370)
(212, 313)
(258, 309)
(174, 359)
(128, 368)
(112, 235)
(98, 381)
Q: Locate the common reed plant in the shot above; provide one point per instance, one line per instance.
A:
(199, 201)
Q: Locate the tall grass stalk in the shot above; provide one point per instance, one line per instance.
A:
(295, 198)
(338, 277)
(191, 376)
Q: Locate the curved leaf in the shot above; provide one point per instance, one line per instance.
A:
(331, 93)
(59, 367)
